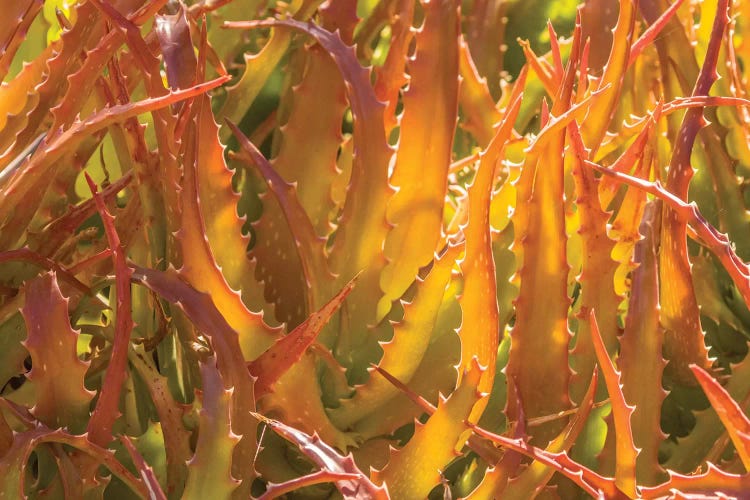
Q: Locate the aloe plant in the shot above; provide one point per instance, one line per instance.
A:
(374, 249)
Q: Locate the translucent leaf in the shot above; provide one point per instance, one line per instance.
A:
(420, 173)
(414, 470)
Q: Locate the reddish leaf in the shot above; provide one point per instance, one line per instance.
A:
(276, 490)
(390, 78)
(532, 480)
(709, 483)
(683, 340)
(341, 16)
(13, 463)
(106, 411)
(57, 374)
(287, 351)
(479, 331)
(414, 470)
(591, 482)
(170, 413)
(716, 241)
(730, 413)
(35, 175)
(329, 460)
(625, 451)
(13, 30)
(481, 115)
(603, 105)
(540, 245)
(403, 354)
(226, 344)
(597, 275)
(652, 32)
(147, 473)
(209, 214)
(82, 82)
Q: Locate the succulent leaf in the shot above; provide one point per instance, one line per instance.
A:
(729, 412)
(106, 410)
(640, 361)
(287, 351)
(404, 352)
(330, 460)
(420, 173)
(625, 451)
(414, 470)
(210, 469)
(57, 373)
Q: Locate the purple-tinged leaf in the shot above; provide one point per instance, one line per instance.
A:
(683, 338)
(173, 32)
(310, 247)
(496, 478)
(210, 469)
(13, 463)
(330, 460)
(106, 411)
(357, 249)
(531, 481)
(276, 490)
(225, 342)
(146, 472)
(592, 483)
(57, 374)
(640, 360)
(287, 351)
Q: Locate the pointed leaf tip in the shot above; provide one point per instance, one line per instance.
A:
(730, 413)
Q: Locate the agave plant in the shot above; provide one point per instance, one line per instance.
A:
(374, 249)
